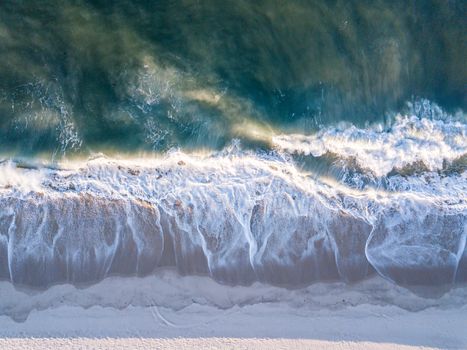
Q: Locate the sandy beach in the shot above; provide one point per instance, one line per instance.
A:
(233, 174)
(156, 313)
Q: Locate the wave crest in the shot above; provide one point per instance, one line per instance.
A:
(239, 218)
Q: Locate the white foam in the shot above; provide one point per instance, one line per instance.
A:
(21, 180)
(236, 216)
(411, 139)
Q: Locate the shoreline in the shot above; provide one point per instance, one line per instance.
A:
(167, 311)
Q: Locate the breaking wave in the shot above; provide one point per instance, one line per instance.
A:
(234, 215)
(286, 144)
(410, 141)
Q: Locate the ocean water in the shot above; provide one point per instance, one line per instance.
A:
(281, 142)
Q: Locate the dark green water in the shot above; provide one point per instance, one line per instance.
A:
(89, 76)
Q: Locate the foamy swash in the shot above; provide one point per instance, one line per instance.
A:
(236, 216)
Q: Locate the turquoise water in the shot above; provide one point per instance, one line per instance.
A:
(81, 77)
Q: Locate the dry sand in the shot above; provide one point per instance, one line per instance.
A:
(166, 311)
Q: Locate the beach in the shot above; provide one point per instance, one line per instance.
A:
(157, 312)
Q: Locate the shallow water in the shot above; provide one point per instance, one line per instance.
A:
(285, 143)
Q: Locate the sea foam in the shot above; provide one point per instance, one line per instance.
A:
(236, 216)
(410, 140)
